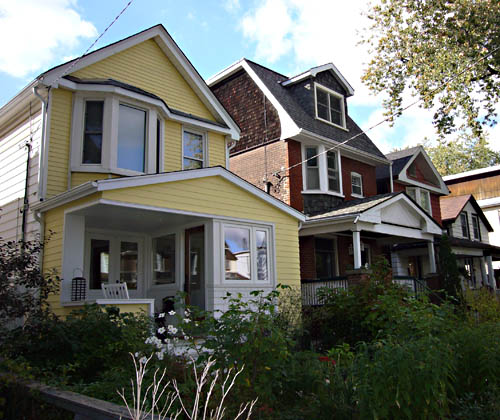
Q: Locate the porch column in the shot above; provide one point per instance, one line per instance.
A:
(73, 252)
(356, 247)
(491, 273)
(432, 256)
(484, 277)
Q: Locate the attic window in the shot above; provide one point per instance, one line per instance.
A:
(329, 106)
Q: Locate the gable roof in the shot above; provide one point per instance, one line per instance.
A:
(401, 161)
(451, 207)
(475, 173)
(293, 117)
(53, 76)
(91, 187)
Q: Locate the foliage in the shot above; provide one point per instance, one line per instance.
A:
(24, 289)
(483, 306)
(465, 154)
(448, 270)
(421, 45)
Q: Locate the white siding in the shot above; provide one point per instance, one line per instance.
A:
(13, 157)
(456, 227)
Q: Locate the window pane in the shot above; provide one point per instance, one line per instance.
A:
(128, 263)
(192, 164)
(237, 253)
(475, 227)
(336, 110)
(411, 193)
(131, 138)
(99, 263)
(262, 265)
(92, 138)
(193, 145)
(312, 161)
(312, 179)
(333, 173)
(322, 104)
(465, 226)
(356, 184)
(425, 201)
(164, 260)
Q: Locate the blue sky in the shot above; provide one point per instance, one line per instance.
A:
(288, 36)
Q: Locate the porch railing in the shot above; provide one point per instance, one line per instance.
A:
(310, 288)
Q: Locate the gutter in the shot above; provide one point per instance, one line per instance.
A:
(80, 191)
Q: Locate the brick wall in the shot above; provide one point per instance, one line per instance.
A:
(307, 257)
(247, 105)
(295, 183)
(366, 171)
(435, 207)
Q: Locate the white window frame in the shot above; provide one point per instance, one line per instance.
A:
(114, 239)
(204, 136)
(323, 171)
(252, 228)
(360, 177)
(464, 214)
(418, 200)
(342, 105)
(109, 152)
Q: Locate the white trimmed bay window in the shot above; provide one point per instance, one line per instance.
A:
(247, 254)
(115, 134)
(321, 171)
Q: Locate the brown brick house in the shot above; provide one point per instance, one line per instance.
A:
(299, 143)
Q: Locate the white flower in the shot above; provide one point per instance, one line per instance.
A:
(172, 329)
(187, 320)
(172, 313)
(161, 330)
(187, 337)
(187, 313)
(137, 354)
(143, 360)
(159, 354)
(162, 315)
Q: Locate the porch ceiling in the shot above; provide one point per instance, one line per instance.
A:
(105, 216)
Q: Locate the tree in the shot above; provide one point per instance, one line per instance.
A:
(462, 155)
(420, 45)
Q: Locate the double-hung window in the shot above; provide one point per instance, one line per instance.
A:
(321, 170)
(475, 227)
(312, 171)
(246, 253)
(356, 184)
(330, 106)
(92, 135)
(333, 171)
(131, 138)
(421, 196)
(193, 146)
(464, 223)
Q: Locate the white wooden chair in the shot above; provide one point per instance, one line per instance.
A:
(115, 290)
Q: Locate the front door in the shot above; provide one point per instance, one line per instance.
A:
(194, 266)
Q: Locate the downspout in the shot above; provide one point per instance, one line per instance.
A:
(40, 219)
(390, 177)
(41, 193)
(26, 198)
(228, 151)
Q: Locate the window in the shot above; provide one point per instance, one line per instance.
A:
(330, 106)
(193, 145)
(412, 170)
(92, 134)
(115, 134)
(99, 263)
(325, 258)
(312, 165)
(131, 138)
(356, 184)
(420, 196)
(246, 254)
(321, 171)
(164, 260)
(476, 230)
(465, 225)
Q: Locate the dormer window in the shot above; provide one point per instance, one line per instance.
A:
(321, 171)
(329, 106)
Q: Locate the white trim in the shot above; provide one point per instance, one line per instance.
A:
(171, 50)
(442, 189)
(288, 126)
(358, 175)
(489, 202)
(322, 160)
(342, 105)
(471, 173)
(418, 197)
(116, 183)
(315, 70)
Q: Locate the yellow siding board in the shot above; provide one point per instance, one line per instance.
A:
(147, 67)
(78, 178)
(215, 195)
(58, 153)
(216, 149)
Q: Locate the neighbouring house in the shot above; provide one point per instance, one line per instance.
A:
(484, 184)
(120, 157)
(414, 173)
(468, 229)
(299, 144)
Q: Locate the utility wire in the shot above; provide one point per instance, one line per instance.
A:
(75, 62)
(390, 117)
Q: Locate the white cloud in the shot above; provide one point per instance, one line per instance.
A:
(34, 32)
(232, 5)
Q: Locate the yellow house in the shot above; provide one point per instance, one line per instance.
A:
(129, 179)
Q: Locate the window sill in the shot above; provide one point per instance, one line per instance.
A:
(332, 124)
(357, 196)
(323, 192)
(102, 169)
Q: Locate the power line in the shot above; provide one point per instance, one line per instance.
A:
(390, 117)
(75, 62)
